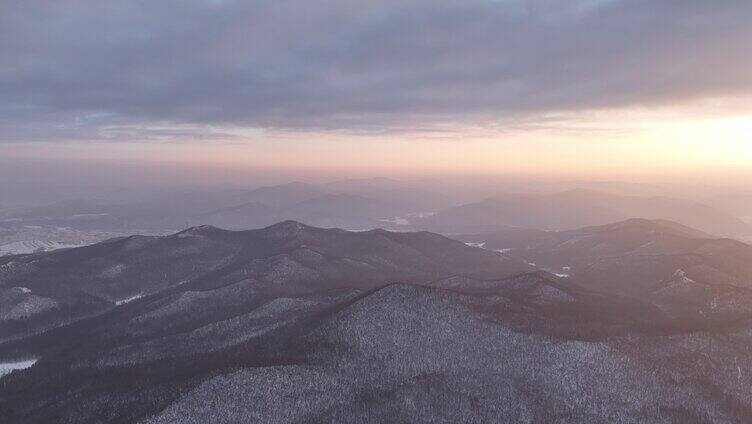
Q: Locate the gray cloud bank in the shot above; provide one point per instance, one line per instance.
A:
(82, 69)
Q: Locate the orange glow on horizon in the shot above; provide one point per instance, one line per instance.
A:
(615, 144)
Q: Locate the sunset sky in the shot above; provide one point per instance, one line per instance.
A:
(560, 87)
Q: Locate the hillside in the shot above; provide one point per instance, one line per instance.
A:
(292, 323)
(628, 257)
(283, 257)
(519, 349)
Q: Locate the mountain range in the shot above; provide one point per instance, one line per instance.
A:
(579, 208)
(63, 285)
(357, 204)
(350, 204)
(639, 258)
(293, 323)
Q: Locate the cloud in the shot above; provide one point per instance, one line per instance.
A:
(72, 69)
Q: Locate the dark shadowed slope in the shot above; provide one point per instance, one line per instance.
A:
(523, 349)
(77, 282)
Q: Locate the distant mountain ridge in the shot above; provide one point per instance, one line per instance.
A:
(352, 204)
(629, 257)
(579, 208)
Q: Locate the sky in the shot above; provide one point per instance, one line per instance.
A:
(618, 88)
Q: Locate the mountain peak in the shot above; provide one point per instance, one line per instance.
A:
(201, 230)
(285, 228)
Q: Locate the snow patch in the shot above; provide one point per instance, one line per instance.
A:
(31, 246)
(682, 276)
(88, 215)
(128, 299)
(8, 367)
(565, 272)
(479, 245)
(112, 271)
(421, 214)
(396, 221)
(24, 289)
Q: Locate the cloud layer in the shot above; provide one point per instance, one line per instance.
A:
(87, 69)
